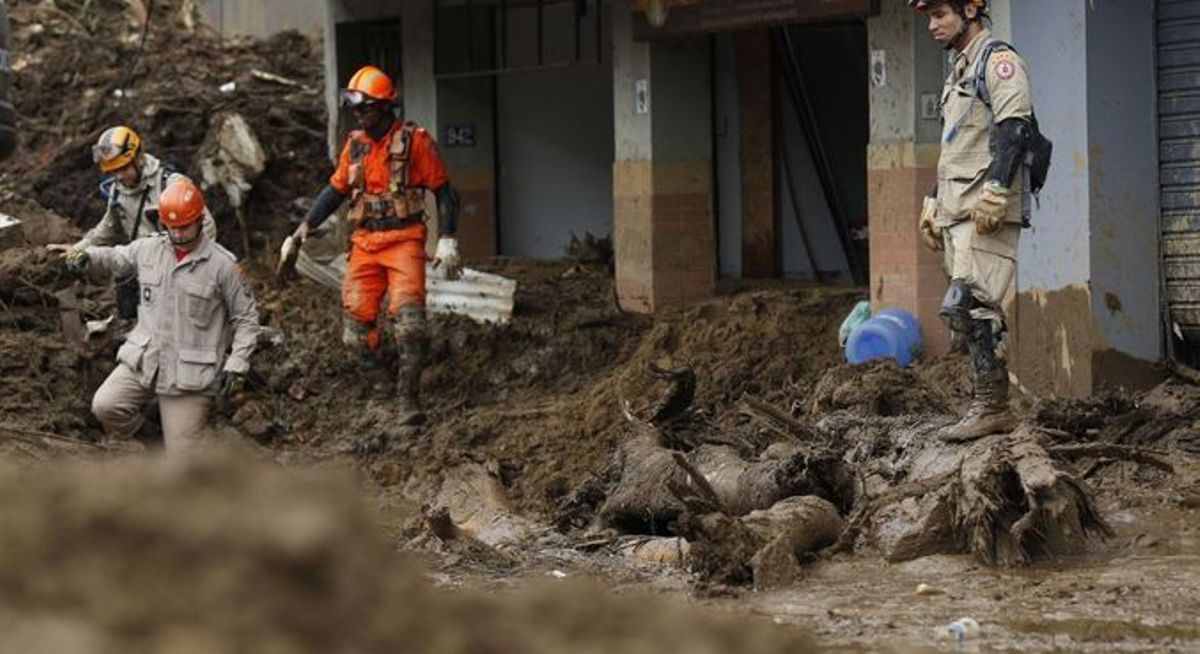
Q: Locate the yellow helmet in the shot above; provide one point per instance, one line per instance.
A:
(116, 148)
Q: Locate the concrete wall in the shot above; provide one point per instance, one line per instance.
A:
(556, 154)
(471, 168)
(263, 18)
(1087, 311)
(556, 144)
(1053, 322)
(1122, 138)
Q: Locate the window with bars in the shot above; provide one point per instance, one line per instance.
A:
(490, 37)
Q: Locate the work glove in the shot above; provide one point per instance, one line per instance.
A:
(929, 231)
(991, 209)
(301, 232)
(77, 262)
(232, 384)
(446, 261)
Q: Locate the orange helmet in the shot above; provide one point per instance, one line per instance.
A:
(181, 204)
(368, 85)
(961, 4)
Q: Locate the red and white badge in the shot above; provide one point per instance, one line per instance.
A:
(1005, 69)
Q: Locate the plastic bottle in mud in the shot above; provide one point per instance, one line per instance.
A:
(959, 630)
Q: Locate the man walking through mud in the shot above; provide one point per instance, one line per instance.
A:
(384, 169)
(195, 308)
(132, 190)
(981, 200)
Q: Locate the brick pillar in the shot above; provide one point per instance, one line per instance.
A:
(663, 232)
(902, 166)
(904, 273)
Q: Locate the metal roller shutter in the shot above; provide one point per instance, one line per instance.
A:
(1179, 160)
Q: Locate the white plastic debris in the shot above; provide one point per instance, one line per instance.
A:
(959, 630)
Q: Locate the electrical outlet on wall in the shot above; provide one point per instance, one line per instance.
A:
(929, 106)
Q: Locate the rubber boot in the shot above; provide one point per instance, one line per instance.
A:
(410, 341)
(988, 413)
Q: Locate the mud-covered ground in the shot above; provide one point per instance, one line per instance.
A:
(526, 424)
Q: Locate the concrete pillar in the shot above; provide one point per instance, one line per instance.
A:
(902, 168)
(420, 87)
(1088, 301)
(662, 170)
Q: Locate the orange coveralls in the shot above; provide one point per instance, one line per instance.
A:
(388, 261)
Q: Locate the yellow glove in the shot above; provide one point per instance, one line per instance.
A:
(991, 209)
(929, 232)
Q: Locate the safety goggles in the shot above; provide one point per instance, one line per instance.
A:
(102, 152)
(357, 99)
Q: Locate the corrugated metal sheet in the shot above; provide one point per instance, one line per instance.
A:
(1179, 159)
(480, 296)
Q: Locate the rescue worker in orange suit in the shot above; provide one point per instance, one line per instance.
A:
(384, 171)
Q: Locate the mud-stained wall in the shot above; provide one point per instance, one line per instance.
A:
(1123, 145)
(1056, 350)
(1053, 341)
(1087, 280)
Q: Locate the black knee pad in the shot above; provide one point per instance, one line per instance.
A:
(957, 305)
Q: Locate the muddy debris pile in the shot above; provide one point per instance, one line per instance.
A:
(49, 372)
(221, 555)
(858, 466)
(80, 66)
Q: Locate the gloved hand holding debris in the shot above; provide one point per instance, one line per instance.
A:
(232, 383)
(446, 261)
(77, 262)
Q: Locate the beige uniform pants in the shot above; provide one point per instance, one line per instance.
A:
(118, 405)
(986, 263)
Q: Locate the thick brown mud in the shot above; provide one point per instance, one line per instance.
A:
(536, 430)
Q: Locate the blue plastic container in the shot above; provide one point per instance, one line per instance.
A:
(891, 333)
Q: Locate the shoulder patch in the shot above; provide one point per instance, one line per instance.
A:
(1004, 69)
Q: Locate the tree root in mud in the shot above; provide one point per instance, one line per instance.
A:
(657, 485)
(473, 506)
(1002, 498)
(752, 513)
(763, 548)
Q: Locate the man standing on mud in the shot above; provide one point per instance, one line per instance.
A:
(136, 180)
(981, 200)
(194, 309)
(384, 169)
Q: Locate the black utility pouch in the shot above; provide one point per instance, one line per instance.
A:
(128, 297)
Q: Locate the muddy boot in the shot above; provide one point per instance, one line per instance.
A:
(989, 412)
(410, 341)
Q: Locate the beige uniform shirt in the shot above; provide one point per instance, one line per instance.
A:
(968, 125)
(117, 225)
(196, 316)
